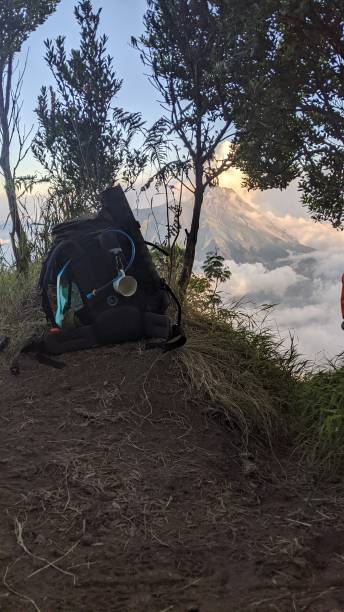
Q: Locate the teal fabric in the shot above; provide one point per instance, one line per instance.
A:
(62, 300)
(61, 296)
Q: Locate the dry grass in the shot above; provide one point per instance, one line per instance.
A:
(240, 373)
(21, 316)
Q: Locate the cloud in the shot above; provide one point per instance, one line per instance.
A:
(316, 326)
(307, 288)
(308, 302)
(256, 279)
(316, 235)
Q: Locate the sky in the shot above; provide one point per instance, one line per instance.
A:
(308, 303)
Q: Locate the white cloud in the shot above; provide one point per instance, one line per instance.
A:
(251, 279)
(308, 302)
(307, 290)
(317, 235)
(316, 328)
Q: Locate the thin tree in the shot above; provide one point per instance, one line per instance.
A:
(183, 46)
(84, 142)
(18, 18)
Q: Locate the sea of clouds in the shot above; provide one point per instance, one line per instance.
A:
(305, 289)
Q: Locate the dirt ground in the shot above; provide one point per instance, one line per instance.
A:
(119, 493)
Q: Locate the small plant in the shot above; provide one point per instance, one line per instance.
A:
(216, 273)
(203, 294)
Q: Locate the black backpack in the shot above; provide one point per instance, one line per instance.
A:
(99, 285)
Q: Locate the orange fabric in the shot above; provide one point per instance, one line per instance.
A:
(342, 298)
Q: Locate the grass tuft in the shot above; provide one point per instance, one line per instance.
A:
(21, 316)
(319, 412)
(241, 373)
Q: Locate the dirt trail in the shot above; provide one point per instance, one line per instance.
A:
(118, 493)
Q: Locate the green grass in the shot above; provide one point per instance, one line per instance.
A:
(242, 372)
(21, 316)
(319, 413)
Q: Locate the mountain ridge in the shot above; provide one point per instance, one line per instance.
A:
(230, 225)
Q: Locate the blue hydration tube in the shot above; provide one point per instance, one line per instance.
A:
(129, 264)
(132, 244)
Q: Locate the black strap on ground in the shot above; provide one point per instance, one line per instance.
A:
(176, 340)
(35, 350)
(176, 301)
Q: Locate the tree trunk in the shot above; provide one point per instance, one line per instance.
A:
(17, 234)
(191, 240)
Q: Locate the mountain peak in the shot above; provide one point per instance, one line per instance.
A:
(232, 226)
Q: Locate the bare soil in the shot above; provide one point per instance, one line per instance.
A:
(118, 492)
